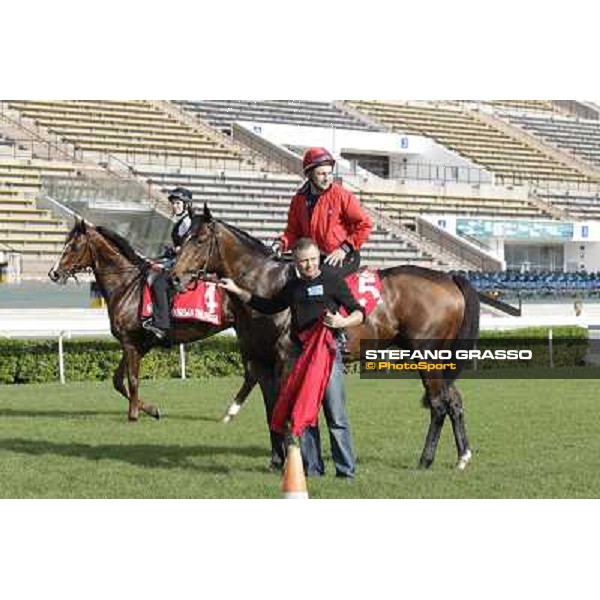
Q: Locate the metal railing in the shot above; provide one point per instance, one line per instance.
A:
(442, 173)
(549, 186)
(277, 159)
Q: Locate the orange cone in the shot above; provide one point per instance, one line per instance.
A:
(293, 485)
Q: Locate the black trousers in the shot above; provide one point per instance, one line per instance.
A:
(160, 299)
(351, 264)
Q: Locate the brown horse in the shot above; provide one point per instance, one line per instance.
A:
(422, 309)
(120, 273)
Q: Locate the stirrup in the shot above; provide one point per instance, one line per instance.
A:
(157, 331)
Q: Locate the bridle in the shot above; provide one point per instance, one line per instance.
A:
(76, 269)
(203, 274)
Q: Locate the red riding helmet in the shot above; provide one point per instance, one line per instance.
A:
(315, 157)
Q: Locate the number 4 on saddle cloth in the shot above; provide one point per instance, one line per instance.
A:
(365, 286)
(202, 301)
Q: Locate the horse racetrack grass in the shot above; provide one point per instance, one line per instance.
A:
(530, 439)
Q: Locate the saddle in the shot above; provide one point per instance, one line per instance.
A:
(201, 302)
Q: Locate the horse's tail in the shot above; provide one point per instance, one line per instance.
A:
(469, 329)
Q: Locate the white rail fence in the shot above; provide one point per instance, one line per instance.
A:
(66, 324)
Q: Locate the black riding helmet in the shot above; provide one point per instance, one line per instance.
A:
(180, 193)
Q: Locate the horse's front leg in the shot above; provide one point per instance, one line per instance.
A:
(133, 360)
(234, 408)
(119, 377)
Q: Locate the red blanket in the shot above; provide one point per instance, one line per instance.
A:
(201, 302)
(301, 394)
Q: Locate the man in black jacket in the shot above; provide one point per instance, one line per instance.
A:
(312, 295)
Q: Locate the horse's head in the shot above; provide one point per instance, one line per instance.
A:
(200, 254)
(76, 255)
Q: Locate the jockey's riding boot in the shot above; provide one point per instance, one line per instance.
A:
(159, 325)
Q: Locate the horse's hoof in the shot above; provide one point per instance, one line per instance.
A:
(157, 414)
(233, 409)
(425, 463)
(131, 419)
(226, 419)
(463, 461)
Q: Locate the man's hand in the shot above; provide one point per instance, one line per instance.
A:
(229, 285)
(334, 320)
(154, 266)
(336, 258)
(276, 247)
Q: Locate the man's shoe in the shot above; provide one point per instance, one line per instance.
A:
(276, 465)
(152, 328)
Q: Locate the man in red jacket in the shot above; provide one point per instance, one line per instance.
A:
(329, 214)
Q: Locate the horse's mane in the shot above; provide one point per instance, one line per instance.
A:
(122, 244)
(252, 241)
(249, 240)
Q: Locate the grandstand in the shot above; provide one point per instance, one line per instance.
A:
(406, 206)
(133, 131)
(462, 130)
(527, 106)
(24, 228)
(223, 113)
(112, 161)
(578, 136)
(578, 204)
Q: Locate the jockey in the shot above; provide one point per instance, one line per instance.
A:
(181, 205)
(329, 214)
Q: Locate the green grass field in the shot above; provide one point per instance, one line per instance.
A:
(530, 439)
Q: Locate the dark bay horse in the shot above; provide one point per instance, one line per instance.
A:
(422, 309)
(120, 273)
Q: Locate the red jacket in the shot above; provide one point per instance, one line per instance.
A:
(337, 217)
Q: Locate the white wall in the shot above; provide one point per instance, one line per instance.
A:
(586, 231)
(339, 140)
(402, 149)
(588, 258)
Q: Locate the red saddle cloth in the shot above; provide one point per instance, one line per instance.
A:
(366, 288)
(202, 302)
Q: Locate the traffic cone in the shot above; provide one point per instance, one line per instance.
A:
(293, 485)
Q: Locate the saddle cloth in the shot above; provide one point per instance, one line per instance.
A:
(202, 301)
(365, 286)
